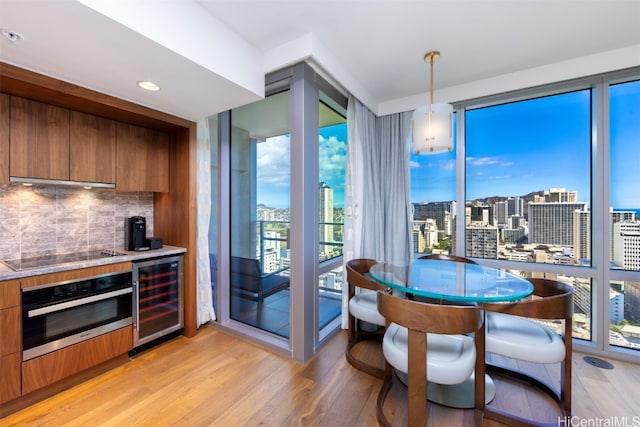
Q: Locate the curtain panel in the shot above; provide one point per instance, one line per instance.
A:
(377, 200)
(204, 299)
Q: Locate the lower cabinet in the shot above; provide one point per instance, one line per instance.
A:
(10, 374)
(55, 366)
(10, 340)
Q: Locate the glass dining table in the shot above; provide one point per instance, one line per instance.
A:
(455, 282)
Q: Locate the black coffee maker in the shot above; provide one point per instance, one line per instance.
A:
(136, 233)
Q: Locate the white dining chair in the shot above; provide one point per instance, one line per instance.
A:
(363, 307)
(424, 342)
(513, 332)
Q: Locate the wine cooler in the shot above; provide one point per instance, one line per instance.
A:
(158, 305)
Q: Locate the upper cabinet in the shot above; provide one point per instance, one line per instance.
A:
(50, 142)
(4, 138)
(143, 159)
(43, 141)
(39, 140)
(92, 148)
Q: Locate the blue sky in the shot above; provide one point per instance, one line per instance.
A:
(520, 147)
(512, 149)
(274, 166)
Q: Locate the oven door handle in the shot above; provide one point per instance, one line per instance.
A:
(77, 302)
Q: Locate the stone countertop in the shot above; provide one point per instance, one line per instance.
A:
(7, 273)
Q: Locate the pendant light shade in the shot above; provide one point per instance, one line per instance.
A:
(432, 127)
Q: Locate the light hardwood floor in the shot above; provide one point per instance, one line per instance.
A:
(216, 379)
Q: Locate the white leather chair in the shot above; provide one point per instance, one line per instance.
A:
(510, 333)
(425, 342)
(363, 307)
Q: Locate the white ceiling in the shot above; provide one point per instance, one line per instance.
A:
(211, 55)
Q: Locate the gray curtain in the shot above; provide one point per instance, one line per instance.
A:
(377, 200)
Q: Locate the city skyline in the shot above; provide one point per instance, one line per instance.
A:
(496, 166)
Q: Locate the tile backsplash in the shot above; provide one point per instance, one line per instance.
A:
(43, 220)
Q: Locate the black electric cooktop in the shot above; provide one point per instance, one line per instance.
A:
(50, 260)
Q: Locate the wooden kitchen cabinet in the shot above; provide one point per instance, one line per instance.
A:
(5, 108)
(39, 140)
(10, 340)
(92, 148)
(142, 159)
(55, 366)
(11, 386)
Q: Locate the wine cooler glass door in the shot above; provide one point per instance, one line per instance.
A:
(158, 298)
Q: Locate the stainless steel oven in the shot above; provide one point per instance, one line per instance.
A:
(61, 314)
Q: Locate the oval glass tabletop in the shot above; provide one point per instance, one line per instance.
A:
(453, 281)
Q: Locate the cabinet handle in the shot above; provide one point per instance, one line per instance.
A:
(136, 308)
(77, 302)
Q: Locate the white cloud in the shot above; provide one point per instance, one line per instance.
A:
(333, 160)
(274, 161)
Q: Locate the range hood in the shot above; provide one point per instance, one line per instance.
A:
(19, 179)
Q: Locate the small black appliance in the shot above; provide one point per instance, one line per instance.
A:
(136, 237)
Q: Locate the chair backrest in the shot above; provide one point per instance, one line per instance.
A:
(358, 275)
(421, 319)
(445, 257)
(429, 318)
(245, 266)
(551, 299)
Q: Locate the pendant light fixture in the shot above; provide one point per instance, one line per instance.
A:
(432, 128)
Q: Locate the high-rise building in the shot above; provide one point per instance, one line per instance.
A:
(626, 245)
(482, 215)
(326, 217)
(501, 212)
(516, 221)
(515, 206)
(614, 217)
(513, 235)
(553, 223)
(561, 195)
(482, 241)
(582, 235)
(441, 212)
(425, 235)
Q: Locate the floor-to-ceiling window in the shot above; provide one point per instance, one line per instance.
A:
(260, 214)
(433, 200)
(332, 149)
(546, 186)
(282, 183)
(624, 214)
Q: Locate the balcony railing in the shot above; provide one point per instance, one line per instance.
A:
(272, 248)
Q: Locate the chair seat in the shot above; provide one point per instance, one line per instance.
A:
(364, 306)
(450, 358)
(522, 339)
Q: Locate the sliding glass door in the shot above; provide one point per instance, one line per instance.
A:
(332, 149)
(260, 214)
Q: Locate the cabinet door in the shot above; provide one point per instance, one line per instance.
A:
(10, 331)
(39, 140)
(92, 148)
(143, 159)
(10, 373)
(10, 340)
(4, 138)
(60, 364)
(9, 293)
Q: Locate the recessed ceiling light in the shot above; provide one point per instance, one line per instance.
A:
(147, 85)
(12, 36)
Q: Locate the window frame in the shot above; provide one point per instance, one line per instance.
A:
(599, 272)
